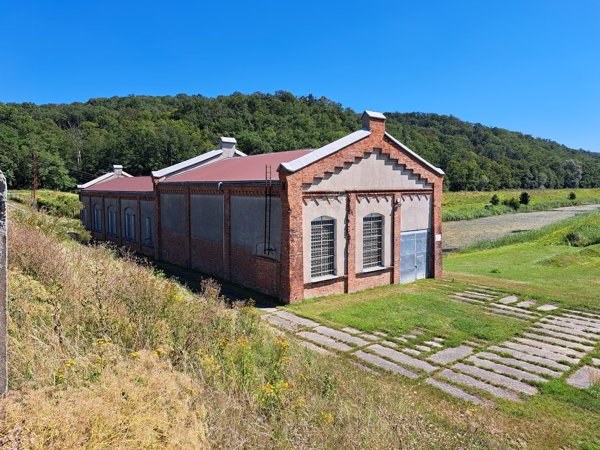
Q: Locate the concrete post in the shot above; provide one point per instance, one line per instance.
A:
(3, 286)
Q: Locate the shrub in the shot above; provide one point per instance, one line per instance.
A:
(495, 200)
(512, 203)
(572, 196)
(524, 198)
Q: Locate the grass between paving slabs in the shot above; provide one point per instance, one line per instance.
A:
(560, 261)
(400, 309)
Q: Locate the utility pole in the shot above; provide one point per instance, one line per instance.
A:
(3, 286)
(34, 176)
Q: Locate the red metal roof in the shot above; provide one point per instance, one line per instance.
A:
(124, 184)
(246, 168)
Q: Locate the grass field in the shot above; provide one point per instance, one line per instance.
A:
(471, 205)
(401, 308)
(560, 261)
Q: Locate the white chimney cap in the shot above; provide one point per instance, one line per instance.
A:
(117, 167)
(228, 140)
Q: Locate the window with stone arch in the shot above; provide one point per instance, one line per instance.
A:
(372, 241)
(111, 226)
(129, 228)
(96, 218)
(322, 247)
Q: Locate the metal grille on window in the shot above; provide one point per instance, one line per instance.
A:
(322, 247)
(372, 241)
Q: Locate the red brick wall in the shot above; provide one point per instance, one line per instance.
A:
(292, 287)
(207, 256)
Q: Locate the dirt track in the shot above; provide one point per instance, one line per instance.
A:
(461, 233)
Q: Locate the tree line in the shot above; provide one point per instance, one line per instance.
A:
(79, 141)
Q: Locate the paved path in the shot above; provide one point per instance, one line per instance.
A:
(553, 345)
(464, 232)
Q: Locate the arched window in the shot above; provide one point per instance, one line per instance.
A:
(112, 221)
(148, 231)
(83, 215)
(97, 218)
(322, 247)
(372, 241)
(129, 229)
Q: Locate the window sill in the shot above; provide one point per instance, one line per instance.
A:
(323, 278)
(375, 269)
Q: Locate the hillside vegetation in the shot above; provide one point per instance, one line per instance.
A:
(81, 140)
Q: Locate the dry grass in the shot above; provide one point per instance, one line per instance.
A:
(107, 353)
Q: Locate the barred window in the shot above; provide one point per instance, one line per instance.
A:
(129, 224)
(97, 218)
(322, 247)
(372, 241)
(112, 221)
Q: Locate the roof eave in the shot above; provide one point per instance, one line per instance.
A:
(415, 155)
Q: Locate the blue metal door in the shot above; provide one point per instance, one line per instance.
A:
(414, 255)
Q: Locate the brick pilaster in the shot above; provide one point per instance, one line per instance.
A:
(292, 265)
(396, 229)
(227, 234)
(437, 194)
(188, 226)
(351, 242)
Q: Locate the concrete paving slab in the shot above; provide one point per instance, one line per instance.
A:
(350, 330)
(551, 347)
(533, 368)
(586, 319)
(438, 339)
(450, 355)
(585, 377)
(591, 330)
(314, 347)
(508, 300)
(423, 348)
(324, 341)
(496, 379)
(460, 298)
(579, 320)
(296, 319)
(512, 314)
(401, 339)
(584, 313)
(453, 391)
(536, 351)
(389, 344)
(585, 325)
(530, 358)
(565, 330)
(365, 368)
(401, 358)
(476, 295)
(596, 361)
(380, 333)
(434, 344)
(409, 336)
(466, 380)
(544, 330)
(340, 336)
(517, 310)
(526, 304)
(504, 370)
(267, 310)
(385, 364)
(369, 337)
(280, 322)
(547, 307)
(412, 351)
(558, 341)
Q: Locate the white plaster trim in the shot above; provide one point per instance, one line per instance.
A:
(408, 150)
(375, 269)
(324, 151)
(324, 278)
(374, 114)
(101, 178)
(185, 164)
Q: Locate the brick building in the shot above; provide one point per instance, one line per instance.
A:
(359, 212)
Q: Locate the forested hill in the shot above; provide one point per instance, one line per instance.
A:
(75, 142)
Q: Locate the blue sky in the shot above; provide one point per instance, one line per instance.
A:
(528, 65)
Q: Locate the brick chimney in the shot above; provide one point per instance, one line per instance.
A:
(228, 146)
(374, 121)
(118, 170)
